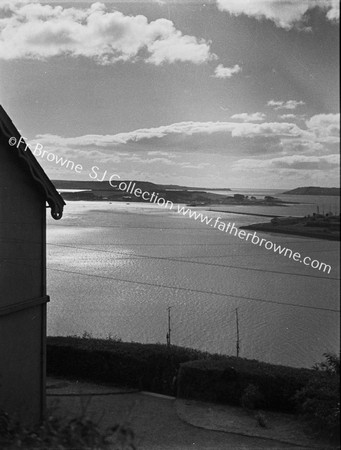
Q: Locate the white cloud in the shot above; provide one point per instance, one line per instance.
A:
(37, 31)
(302, 162)
(324, 120)
(234, 129)
(226, 72)
(288, 116)
(334, 13)
(290, 104)
(254, 117)
(325, 126)
(284, 13)
(319, 136)
(298, 162)
(275, 150)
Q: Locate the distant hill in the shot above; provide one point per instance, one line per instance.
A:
(145, 185)
(314, 190)
(101, 185)
(103, 191)
(177, 187)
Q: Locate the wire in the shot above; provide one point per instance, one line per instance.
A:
(305, 241)
(189, 261)
(145, 283)
(231, 255)
(163, 258)
(160, 228)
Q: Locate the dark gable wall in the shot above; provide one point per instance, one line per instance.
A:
(22, 278)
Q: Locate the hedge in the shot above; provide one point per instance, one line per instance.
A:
(226, 381)
(151, 367)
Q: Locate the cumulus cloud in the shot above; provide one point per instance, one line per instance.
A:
(317, 136)
(290, 104)
(325, 126)
(298, 162)
(36, 31)
(334, 13)
(226, 72)
(320, 131)
(284, 13)
(324, 121)
(234, 129)
(254, 117)
(275, 150)
(302, 162)
(288, 116)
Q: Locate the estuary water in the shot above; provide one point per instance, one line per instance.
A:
(115, 268)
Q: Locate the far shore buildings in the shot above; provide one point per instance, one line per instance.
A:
(25, 193)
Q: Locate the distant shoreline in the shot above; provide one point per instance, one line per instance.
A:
(245, 213)
(105, 185)
(314, 190)
(291, 230)
(132, 191)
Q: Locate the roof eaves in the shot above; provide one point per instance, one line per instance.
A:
(53, 198)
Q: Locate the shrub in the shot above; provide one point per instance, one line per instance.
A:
(330, 365)
(261, 420)
(62, 434)
(319, 400)
(226, 380)
(252, 398)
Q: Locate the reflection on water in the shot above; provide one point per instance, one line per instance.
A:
(115, 268)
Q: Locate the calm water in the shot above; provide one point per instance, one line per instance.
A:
(115, 268)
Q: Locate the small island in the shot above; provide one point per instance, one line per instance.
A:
(103, 191)
(320, 226)
(314, 190)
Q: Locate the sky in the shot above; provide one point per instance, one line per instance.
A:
(222, 93)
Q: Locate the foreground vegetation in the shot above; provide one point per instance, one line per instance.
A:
(63, 434)
(314, 394)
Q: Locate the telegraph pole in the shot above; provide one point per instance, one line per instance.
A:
(237, 324)
(168, 336)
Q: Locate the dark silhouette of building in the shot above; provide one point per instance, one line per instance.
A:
(25, 193)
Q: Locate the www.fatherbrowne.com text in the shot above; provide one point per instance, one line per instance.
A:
(217, 223)
(154, 197)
